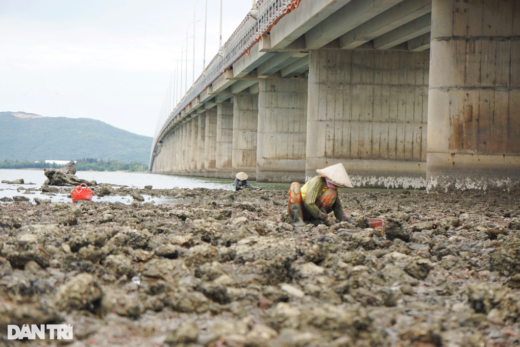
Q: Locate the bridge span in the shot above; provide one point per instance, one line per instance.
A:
(404, 93)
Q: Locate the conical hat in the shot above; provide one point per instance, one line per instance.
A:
(242, 176)
(337, 175)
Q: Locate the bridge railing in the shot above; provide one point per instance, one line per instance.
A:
(243, 38)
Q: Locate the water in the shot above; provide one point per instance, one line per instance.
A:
(130, 179)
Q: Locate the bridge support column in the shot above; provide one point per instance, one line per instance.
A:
(245, 125)
(282, 130)
(185, 153)
(367, 110)
(194, 144)
(175, 134)
(201, 139)
(224, 140)
(210, 142)
(474, 113)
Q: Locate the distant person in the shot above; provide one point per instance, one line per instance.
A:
(319, 196)
(241, 182)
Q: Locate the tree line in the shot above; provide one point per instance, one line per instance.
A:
(81, 165)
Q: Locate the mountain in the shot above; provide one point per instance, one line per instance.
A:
(25, 136)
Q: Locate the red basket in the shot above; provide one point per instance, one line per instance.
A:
(374, 223)
(81, 192)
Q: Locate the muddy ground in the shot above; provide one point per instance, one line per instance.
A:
(228, 269)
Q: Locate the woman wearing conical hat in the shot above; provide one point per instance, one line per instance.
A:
(241, 182)
(319, 196)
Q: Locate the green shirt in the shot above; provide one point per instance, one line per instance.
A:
(313, 189)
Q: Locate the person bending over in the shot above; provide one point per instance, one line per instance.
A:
(319, 196)
(241, 182)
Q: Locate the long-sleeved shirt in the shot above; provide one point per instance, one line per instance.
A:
(239, 185)
(310, 193)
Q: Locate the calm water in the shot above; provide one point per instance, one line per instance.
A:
(137, 180)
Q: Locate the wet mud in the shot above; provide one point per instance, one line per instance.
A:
(227, 268)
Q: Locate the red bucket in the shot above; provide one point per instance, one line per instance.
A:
(374, 223)
(81, 192)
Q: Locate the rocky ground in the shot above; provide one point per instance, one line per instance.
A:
(228, 269)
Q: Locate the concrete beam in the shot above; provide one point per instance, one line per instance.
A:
(223, 81)
(296, 67)
(242, 85)
(276, 64)
(420, 43)
(222, 98)
(210, 105)
(248, 63)
(254, 89)
(395, 17)
(416, 28)
(297, 23)
(345, 19)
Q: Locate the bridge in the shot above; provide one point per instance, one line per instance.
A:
(404, 93)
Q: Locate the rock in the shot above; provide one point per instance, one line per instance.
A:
(419, 268)
(20, 199)
(362, 223)
(423, 226)
(102, 191)
(148, 187)
(137, 197)
(245, 206)
(481, 296)
(514, 282)
(449, 262)
(65, 176)
(119, 265)
(260, 335)
(422, 334)
(80, 293)
(125, 305)
(42, 201)
(187, 332)
(167, 251)
(20, 259)
(18, 181)
(394, 230)
(47, 189)
(291, 290)
(6, 199)
(514, 224)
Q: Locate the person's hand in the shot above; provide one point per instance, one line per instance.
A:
(323, 216)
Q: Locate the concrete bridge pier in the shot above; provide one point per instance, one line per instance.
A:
(245, 125)
(194, 148)
(201, 140)
(282, 130)
(187, 145)
(224, 140)
(474, 112)
(368, 110)
(210, 142)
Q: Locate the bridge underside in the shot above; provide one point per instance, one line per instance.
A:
(404, 93)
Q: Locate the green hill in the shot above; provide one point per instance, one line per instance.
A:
(32, 137)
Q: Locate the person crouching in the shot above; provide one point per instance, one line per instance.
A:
(319, 196)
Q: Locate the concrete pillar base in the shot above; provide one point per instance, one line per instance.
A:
(378, 173)
(447, 172)
(281, 171)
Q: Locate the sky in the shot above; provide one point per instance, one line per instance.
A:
(107, 60)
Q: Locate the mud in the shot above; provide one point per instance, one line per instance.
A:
(228, 269)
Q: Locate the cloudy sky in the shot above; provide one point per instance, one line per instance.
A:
(107, 60)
